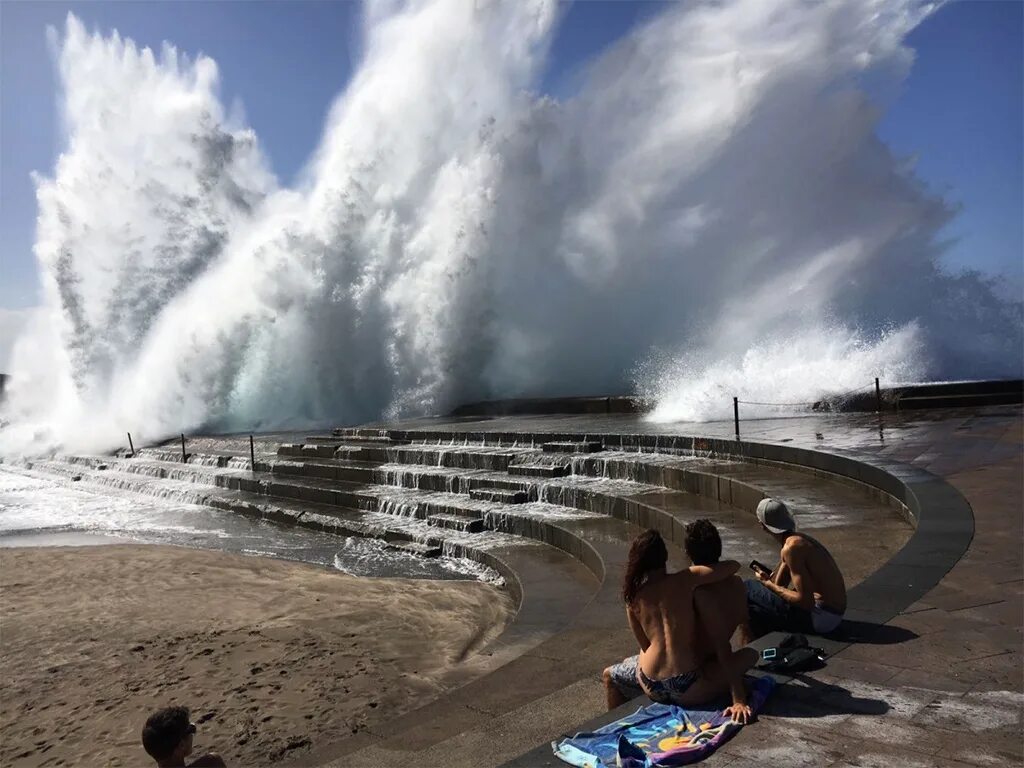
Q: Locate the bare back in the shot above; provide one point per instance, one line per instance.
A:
(664, 610)
(825, 578)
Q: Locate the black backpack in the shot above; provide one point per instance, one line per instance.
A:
(793, 654)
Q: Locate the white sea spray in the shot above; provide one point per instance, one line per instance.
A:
(711, 214)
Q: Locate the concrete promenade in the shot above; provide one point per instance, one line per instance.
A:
(939, 684)
(949, 691)
(945, 686)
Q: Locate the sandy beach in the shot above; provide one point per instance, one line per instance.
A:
(274, 658)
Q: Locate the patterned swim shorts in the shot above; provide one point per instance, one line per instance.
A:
(627, 677)
(669, 690)
(624, 677)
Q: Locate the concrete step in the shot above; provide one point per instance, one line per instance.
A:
(193, 473)
(587, 446)
(418, 537)
(425, 478)
(500, 495)
(415, 548)
(414, 476)
(332, 448)
(358, 440)
(212, 459)
(364, 439)
(319, 490)
(342, 521)
(539, 470)
(322, 440)
(457, 522)
(186, 490)
(327, 469)
(527, 485)
(423, 504)
(308, 450)
(497, 506)
(461, 457)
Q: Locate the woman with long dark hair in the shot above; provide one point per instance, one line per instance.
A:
(672, 666)
(647, 555)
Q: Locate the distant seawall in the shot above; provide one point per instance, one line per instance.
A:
(953, 394)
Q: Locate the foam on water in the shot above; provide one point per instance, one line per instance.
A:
(712, 198)
(33, 502)
(421, 531)
(411, 503)
(372, 557)
(39, 510)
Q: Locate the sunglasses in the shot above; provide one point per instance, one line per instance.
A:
(191, 729)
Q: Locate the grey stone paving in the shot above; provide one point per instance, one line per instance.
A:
(943, 687)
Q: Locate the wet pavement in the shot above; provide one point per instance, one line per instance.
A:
(938, 683)
(915, 437)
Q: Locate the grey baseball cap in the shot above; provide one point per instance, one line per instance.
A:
(775, 516)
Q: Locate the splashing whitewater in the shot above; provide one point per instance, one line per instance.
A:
(715, 191)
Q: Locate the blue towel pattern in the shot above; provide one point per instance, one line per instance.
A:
(657, 736)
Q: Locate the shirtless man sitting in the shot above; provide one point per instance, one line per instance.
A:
(683, 622)
(805, 593)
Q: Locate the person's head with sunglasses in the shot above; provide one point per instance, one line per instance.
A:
(167, 738)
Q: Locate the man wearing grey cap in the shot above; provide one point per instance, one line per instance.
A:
(806, 592)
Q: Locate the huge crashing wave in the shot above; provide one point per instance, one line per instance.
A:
(710, 213)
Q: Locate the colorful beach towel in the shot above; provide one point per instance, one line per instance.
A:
(657, 736)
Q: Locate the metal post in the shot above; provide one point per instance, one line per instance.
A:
(878, 396)
(736, 415)
(130, 444)
(184, 458)
(252, 455)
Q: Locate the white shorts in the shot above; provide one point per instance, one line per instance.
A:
(824, 619)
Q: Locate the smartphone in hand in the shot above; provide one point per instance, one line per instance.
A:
(757, 567)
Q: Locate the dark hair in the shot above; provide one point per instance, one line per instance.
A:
(703, 544)
(164, 731)
(646, 553)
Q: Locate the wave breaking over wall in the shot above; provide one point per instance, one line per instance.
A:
(711, 209)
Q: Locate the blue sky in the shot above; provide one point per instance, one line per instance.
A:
(960, 112)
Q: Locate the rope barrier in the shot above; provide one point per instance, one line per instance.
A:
(736, 403)
(812, 402)
(781, 405)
